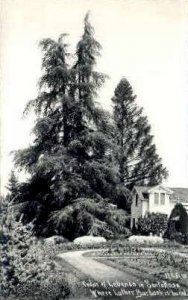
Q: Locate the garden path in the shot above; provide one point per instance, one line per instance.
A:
(101, 272)
(94, 269)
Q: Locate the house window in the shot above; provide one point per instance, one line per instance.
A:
(162, 198)
(134, 222)
(136, 201)
(156, 198)
(146, 195)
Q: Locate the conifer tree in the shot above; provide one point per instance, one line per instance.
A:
(12, 185)
(70, 162)
(137, 158)
(46, 158)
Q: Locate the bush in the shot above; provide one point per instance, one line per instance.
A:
(89, 239)
(55, 240)
(178, 237)
(155, 223)
(138, 239)
(27, 269)
(178, 224)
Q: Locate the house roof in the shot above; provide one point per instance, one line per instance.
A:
(142, 190)
(178, 195)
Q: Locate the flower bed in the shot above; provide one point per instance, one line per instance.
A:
(163, 263)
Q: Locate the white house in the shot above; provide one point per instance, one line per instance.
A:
(156, 199)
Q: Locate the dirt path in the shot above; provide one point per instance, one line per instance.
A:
(95, 269)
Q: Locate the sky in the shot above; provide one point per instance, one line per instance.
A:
(143, 40)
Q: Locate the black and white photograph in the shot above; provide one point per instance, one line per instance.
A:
(94, 149)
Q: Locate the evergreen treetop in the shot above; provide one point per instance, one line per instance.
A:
(138, 160)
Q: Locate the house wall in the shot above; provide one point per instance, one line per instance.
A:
(136, 211)
(165, 209)
(150, 206)
(145, 207)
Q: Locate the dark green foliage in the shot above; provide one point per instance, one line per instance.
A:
(122, 197)
(178, 224)
(137, 158)
(6, 269)
(73, 172)
(90, 216)
(26, 265)
(155, 223)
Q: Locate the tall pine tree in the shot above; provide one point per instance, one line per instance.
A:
(137, 158)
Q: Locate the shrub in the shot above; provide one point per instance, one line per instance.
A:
(155, 223)
(178, 224)
(55, 239)
(27, 269)
(178, 237)
(89, 239)
(137, 239)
